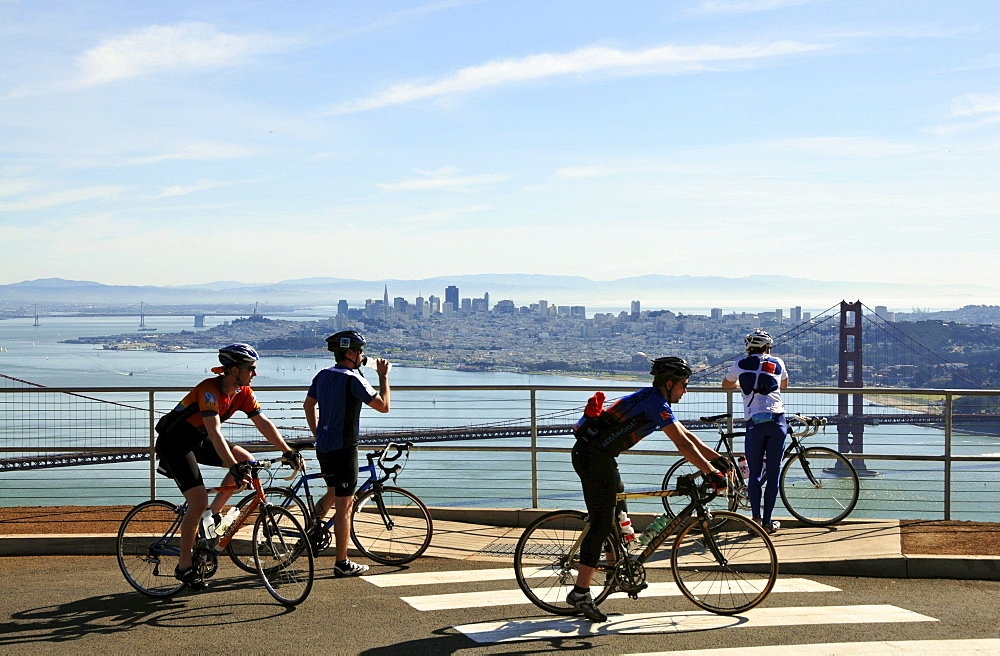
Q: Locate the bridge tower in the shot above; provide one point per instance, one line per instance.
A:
(850, 432)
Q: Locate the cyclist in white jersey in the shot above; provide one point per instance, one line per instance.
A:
(761, 376)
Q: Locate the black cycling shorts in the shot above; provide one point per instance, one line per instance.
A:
(340, 470)
(180, 450)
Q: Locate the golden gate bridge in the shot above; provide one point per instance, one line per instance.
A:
(850, 418)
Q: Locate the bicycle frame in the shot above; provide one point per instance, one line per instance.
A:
(695, 507)
(371, 480)
(726, 438)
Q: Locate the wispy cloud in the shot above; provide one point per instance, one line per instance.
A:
(184, 190)
(970, 112)
(745, 6)
(446, 179)
(576, 172)
(162, 48)
(61, 198)
(663, 60)
(197, 151)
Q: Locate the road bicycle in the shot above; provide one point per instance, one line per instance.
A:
(389, 524)
(722, 562)
(149, 545)
(819, 486)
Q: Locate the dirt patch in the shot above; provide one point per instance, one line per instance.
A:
(61, 520)
(949, 538)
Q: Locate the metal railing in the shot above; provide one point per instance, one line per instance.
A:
(922, 453)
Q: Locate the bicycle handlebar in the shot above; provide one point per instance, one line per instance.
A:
(380, 458)
(811, 424)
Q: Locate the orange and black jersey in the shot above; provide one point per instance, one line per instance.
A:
(207, 399)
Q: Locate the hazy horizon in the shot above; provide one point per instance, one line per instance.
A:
(173, 143)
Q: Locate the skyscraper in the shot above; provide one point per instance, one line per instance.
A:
(451, 296)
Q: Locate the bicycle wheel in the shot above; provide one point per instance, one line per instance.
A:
(149, 547)
(391, 526)
(546, 561)
(239, 548)
(282, 555)
(728, 500)
(727, 568)
(819, 486)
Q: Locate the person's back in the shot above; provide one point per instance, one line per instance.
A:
(760, 378)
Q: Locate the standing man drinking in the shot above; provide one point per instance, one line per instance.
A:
(333, 412)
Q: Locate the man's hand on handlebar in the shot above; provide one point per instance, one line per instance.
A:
(241, 473)
(293, 458)
(718, 482)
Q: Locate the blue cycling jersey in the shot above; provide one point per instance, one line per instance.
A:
(340, 393)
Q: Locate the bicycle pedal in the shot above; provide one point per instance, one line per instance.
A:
(633, 590)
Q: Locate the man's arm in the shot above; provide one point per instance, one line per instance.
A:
(691, 447)
(213, 425)
(310, 406)
(381, 401)
(270, 432)
(728, 384)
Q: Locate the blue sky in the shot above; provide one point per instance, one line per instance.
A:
(187, 142)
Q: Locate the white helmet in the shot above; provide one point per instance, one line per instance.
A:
(758, 339)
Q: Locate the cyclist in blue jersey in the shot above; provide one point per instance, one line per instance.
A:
(602, 436)
(333, 411)
(761, 376)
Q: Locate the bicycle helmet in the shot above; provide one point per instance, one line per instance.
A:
(237, 354)
(669, 368)
(345, 339)
(758, 339)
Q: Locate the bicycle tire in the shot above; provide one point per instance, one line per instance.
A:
(741, 580)
(282, 555)
(728, 500)
(240, 549)
(819, 495)
(149, 547)
(546, 564)
(407, 534)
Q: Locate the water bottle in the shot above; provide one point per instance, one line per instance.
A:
(227, 520)
(369, 362)
(654, 528)
(744, 468)
(208, 525)
(628, 533)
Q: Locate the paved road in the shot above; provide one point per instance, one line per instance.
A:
(82, 604)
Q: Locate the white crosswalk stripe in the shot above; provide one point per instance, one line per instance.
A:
(676, 622)
(516, 596)
(548, 627)
(972, 647)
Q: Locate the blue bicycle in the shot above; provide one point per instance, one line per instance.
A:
(390, 525)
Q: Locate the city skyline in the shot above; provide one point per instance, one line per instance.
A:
(172, 144)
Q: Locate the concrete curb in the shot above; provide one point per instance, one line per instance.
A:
(900, 566)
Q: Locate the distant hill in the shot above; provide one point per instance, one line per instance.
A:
(654, 291)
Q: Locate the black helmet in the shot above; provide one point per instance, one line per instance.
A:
(669, 368)
(237, 354)
(345, 339)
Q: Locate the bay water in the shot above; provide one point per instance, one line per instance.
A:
(38, 354)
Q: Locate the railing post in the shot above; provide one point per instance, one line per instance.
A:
(152, 446)
(534, 450)
(947, 454)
